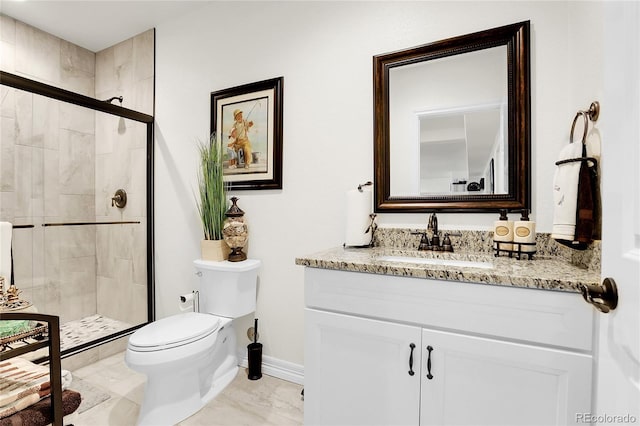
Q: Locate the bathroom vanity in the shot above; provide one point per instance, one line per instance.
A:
(481, 340)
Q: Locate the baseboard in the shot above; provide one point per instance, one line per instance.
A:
(281, 369)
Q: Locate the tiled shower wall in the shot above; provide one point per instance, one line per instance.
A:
(126, 69)
(48, 168)
(62, 163)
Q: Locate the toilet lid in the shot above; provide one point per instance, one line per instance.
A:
(174, 331)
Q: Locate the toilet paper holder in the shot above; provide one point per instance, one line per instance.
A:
(360, 222)
(372, 217)
(193, 296)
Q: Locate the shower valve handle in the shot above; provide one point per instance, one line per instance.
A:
(119, 200)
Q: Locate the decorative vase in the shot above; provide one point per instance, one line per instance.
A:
(214, 250)
(235, 231)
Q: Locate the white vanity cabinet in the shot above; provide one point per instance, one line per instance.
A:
(360, 373)
(483, 354)
(484, 381)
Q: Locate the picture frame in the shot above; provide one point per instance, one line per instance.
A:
(492, 176)
(247, 119)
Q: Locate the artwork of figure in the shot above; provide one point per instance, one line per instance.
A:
(239, 140)
(247, 120)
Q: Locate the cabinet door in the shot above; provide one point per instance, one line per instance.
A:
(357, 371)
(479, 381)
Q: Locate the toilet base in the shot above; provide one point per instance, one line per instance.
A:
(169, 400)
(228, 372)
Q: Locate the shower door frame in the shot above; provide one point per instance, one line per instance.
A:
(43, 89)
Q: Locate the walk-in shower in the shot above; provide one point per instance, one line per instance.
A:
(77, 184)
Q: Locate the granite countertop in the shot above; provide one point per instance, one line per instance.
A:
(547, 273)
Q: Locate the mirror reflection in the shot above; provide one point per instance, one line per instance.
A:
(463, 151)
(448, 132)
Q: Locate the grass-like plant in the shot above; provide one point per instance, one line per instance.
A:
(213, 194)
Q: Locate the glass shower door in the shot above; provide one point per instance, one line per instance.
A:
(80, 249)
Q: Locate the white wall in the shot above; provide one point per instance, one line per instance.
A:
(324, 51)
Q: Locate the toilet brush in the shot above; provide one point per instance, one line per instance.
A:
(255, 355)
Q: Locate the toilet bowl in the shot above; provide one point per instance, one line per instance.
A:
(190, 358)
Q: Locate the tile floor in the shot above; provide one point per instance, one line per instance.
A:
(268, 401)
(75, 333)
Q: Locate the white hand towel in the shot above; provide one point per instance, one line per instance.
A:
(67, 378)
(565, 193)
(5, 251)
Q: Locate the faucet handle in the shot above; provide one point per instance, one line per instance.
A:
(425, 244)
(446, 241)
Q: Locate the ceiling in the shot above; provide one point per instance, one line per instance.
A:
(96, 24)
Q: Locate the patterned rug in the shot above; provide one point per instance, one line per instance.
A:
(24, 383)
(91, 396)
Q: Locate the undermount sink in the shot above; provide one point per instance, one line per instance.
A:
(431, 261)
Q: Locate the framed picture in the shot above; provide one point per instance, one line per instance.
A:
(248, 121)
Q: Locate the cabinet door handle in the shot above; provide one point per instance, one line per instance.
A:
(412, 346)
(429, 375)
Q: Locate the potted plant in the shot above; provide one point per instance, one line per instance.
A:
(213, 200)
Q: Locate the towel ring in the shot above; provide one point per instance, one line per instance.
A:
(591, 114)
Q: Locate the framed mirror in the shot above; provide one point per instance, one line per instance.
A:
(452, 124)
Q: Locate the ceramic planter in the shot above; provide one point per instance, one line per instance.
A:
(214, 250)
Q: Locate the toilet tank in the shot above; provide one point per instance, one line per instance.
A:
(227, 288)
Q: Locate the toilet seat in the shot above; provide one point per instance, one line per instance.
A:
(173, 331)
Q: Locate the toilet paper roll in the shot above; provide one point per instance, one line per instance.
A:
(358, 206)
(186, 302)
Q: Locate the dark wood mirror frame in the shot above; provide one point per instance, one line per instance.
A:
(516, 39)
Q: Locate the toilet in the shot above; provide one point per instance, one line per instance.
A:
(190, 357)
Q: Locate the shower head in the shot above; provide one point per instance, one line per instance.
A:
(119, 98)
